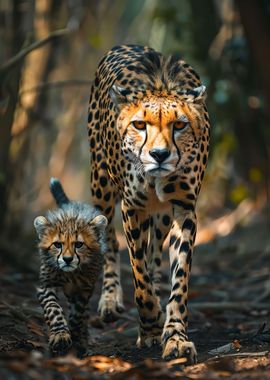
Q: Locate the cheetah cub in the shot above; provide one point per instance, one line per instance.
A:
(71, 242)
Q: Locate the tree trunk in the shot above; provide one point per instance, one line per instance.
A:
(9, 86)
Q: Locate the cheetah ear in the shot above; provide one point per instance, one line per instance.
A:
(100, 221)
(119, 95)
(195, 95)
(40, 224)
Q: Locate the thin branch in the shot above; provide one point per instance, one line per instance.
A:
(64, 83)
(35, 45)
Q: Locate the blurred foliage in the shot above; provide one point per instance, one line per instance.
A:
(43, 98)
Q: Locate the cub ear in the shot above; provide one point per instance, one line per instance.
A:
(40, 223)
(118, 95)
(195, 95)
(100, 221)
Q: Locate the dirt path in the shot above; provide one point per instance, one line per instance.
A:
(229, 321)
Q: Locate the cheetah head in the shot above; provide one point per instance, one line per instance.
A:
(159, 131)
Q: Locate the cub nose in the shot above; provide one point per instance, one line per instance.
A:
(67, 259)
(159, 155)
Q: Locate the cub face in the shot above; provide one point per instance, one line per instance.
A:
(67, 244)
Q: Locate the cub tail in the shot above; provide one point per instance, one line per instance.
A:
(58, 192)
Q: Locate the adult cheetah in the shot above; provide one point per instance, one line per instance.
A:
(148, 130)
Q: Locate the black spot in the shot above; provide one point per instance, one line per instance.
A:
(184, 247)
(169, 188)
(149, 305)
(145, 225)
(130, 212)
(90, 117)
(166, 220)
(142, 196)
(157, 261)
(98, 194)
(108, 210)
(184, 289)
(139, 302)
(158, 234)
(103, 181)
(182, 309)
(185, 206)
(107, 196)
(135, 233)
(173, 265)
(188, 225)
(92, 142)
(172, 239)
(146, 278)
(141, 285)
(139, 254)
(178, 298)
(184, 186)
(180, 273)
(139, 269)
(177, 243)
(176, 286)
(204, 159)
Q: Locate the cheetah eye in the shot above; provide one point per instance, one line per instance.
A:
(140, 125)
(57, 244)
(180, 125)
(78, 244)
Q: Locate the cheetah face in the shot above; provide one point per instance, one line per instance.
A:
(159, 132)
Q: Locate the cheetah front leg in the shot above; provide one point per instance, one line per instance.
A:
(111, 301)
(136, 228)
(59, 334)
(174, 338)
(160, 224)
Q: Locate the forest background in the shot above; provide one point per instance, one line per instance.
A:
(49, 52)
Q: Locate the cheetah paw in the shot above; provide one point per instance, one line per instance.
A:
(110, 309)
(60, 342)
(175, 348)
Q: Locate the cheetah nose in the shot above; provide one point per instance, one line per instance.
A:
(159, 155)
(67, 259)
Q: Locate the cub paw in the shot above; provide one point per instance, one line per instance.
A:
(110, 309)
(60, 342)
(174, 348)
(148, 341)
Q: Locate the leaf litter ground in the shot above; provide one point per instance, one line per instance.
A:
(229, 307)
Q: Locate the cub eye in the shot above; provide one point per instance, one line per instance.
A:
(180, 125)
(57, 244)
(140, 125)
(78, 244)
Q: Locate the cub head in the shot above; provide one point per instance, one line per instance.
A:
(159, 130)
(68, 240)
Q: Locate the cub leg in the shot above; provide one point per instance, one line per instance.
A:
(78, 321)
(59, 334)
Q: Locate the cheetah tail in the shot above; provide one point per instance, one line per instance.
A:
(58, 192)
